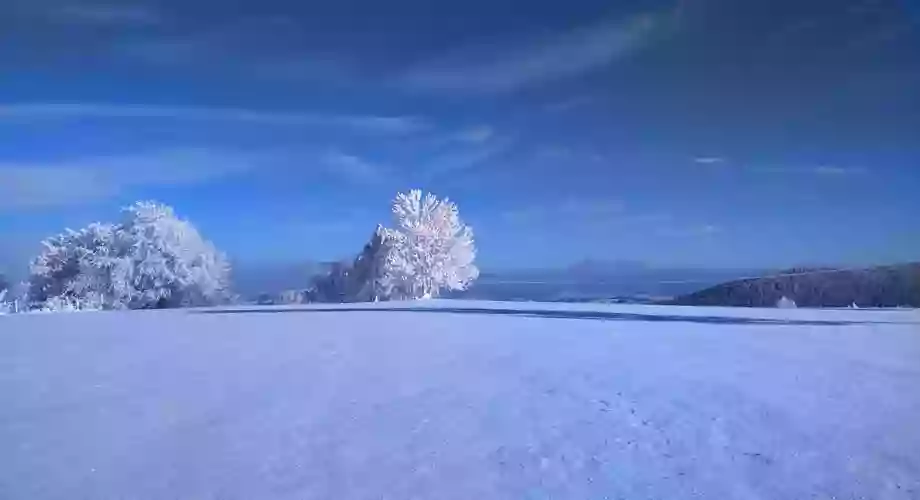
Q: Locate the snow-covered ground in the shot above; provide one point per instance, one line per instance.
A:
(461, 400)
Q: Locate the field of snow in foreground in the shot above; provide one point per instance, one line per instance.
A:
(461, 400)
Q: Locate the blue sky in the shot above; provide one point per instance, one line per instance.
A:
(712, 133)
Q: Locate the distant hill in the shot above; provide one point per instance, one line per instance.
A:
(884, 286)
(596, 280)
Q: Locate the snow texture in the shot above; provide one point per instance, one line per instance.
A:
(461, 400)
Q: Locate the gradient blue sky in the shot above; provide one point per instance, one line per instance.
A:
(717, 133)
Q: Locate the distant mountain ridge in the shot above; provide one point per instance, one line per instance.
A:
(591, 270)
(881, 286)
(598, 280)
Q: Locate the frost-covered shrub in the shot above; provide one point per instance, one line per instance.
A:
(11, 298)
(66, 303)
(152, 259)
(786, 303)
(291, 297)
(75, 264)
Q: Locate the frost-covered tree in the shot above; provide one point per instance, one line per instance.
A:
(172, 264)
(152, 259)
(429, 250)
(80, 266)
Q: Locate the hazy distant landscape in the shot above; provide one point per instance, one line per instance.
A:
(592, 281)
(598, 281)
(587, 280)
(595, 281)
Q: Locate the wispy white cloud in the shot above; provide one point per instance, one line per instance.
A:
(818, 170)
(335, 69)
(571, 209)
(688, 231)
(570, 103)
(385, 124)
(477, 134)
(556, 153)
(605, 215)
(63, 111)
(591, 207)
(107, 14)
(31, 187)
(261, 47)
(525, 214)
(834, 170)
(167, 51)
(520, 64)
(465, 158)
(60, 183)
(566, 156)
(352, 167)
(806, 170)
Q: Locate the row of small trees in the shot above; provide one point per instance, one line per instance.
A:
(154, 259)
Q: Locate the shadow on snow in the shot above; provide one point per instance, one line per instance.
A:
(595, 315)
